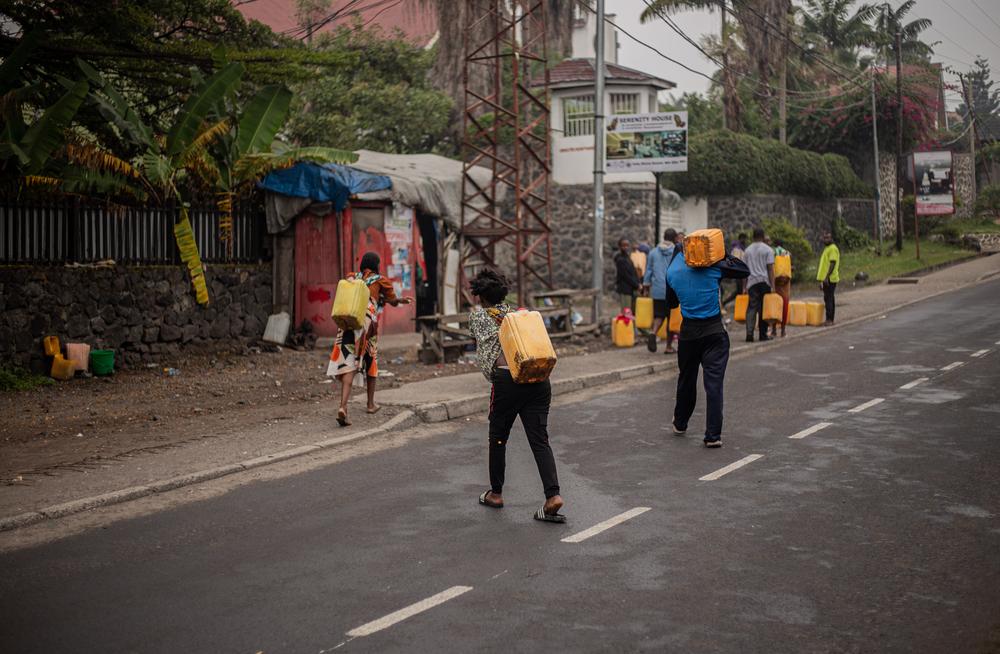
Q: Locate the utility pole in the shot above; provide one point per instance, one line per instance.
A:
(878, 180)
(973, 128)
(597, 275)
(899, 138)
(724, 38)
(656, 232)
(783, 86)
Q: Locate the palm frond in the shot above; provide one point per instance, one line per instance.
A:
(91, 157)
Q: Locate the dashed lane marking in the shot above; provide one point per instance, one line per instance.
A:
(735, 465)
(916, 382)
(867, 405)
(607, 524)
(374, 626)
(953, 365)
(811, 430)
(976, 355)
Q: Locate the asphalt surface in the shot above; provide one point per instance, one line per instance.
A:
(877, 533)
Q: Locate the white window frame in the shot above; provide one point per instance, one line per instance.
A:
(578, 120)
(624, 103)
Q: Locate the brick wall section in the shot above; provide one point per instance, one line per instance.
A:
(141, 312)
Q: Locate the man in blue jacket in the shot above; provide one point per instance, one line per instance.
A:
(703, 341)
(654, 281)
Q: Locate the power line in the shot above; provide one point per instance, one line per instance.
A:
(971, 24)
(985, 14)
(953, 41)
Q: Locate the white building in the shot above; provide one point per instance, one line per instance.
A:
(627, 91)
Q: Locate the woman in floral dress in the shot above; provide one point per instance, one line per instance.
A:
(356, 350)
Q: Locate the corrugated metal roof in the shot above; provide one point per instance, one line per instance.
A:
(572, 71)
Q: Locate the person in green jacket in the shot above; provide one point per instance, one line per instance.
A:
(828, 274)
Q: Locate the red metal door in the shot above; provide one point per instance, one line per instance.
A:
(317, 271)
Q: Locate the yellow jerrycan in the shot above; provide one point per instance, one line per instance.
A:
(740, 308)
(797, 314)
(350, 304)
(62, 369)
(773, 307)
(622, 332)
(815, 313)
(675, 320)
(704, 247)
(527, 347)
(782, 266)
(644, 312)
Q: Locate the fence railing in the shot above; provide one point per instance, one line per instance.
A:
(64, 230)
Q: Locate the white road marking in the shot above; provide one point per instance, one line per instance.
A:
(978, 354)
(402, 614)
(736, 465)
(867, 405)
(811, 430)
(607, 524)
(953, 365)
(916, 382)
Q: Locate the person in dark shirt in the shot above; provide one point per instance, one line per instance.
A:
(626, 279)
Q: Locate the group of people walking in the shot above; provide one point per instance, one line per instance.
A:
(663, 273)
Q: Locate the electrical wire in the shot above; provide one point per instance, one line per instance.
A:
(971, 24)
(953, 41)
(985, 14)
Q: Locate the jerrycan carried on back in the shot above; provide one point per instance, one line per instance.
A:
(782, 266)
(350, 304)
(644, 312)
(527, 347)
(704, 247)
(774, 306)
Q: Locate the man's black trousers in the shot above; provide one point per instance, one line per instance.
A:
(755, 308)
(531, 402)
(711, 353)
(829, 289)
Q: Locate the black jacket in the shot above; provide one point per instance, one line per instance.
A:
(626, 278)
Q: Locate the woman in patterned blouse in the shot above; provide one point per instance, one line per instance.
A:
(509, 400)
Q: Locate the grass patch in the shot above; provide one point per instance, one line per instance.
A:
(981, 225)
(19, 379)
(893, 264)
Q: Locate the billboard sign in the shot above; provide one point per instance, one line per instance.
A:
(933, 183)
(655, 143)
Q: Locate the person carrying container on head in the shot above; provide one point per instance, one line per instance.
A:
(654, 282)
(703, 341)
(356, 350)
(509, 399)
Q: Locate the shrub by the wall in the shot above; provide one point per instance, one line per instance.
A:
(721, 162)
(793, 239)
(847, 238)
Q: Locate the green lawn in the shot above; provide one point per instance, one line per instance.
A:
(893, 264)
(970, 226)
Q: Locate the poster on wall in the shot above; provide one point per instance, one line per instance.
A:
(655, 143)
(399, 236)
(932, 179)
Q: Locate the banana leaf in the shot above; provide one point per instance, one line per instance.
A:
(46, 133)
(113, 106)
(263, 117)
(197, 107)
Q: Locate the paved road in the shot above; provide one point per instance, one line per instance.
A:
(879, 532)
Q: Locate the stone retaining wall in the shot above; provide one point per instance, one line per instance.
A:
(143, 313)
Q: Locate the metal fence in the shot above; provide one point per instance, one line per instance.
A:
(67, 230)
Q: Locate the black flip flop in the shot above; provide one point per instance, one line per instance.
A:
(549, 517)
(486, 502)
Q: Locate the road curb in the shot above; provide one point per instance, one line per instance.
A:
(403, 419)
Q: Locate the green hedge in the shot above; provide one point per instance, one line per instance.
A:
(721, 162)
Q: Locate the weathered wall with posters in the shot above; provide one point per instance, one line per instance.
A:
(142, 312)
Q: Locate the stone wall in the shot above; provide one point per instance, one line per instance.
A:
(143, 313)
(965, 187)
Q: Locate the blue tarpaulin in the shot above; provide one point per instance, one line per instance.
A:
(332, 183)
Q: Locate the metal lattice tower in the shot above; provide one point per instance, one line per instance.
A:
(506, 130)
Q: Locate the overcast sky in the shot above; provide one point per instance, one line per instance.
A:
(959, 43)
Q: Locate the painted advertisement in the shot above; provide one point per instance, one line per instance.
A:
(655, 143)
(933, 181)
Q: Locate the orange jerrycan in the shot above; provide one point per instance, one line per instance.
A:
(675, 320)
(350, 304)
(622, 332)
(704, 247)
(740, 308)
(815, 313)
(51, 345)
(527, 347)
(62, 369)
(782, 266)
(644, 312)
(797, 313)
(773, 307)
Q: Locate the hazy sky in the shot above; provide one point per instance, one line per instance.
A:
(959, 43)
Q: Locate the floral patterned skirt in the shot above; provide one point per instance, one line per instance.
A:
(356, 350)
